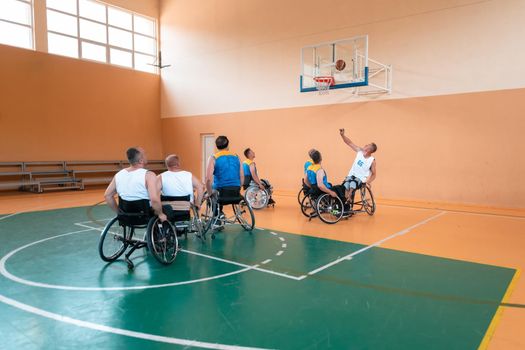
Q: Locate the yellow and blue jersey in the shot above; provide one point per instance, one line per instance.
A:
(247, 173)
(311, 174)
(227, 170)
(307, 164)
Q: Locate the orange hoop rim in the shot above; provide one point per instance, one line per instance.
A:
(325, 79)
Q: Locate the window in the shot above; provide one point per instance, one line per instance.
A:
(92, 30)
(16, 23)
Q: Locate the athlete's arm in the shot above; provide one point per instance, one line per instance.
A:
(320, 175)
(109, 196)
(198, 186)
(209, 175)
(255, 177)
(241, 173)
(348, 141)
(373, 173)
(154, 195)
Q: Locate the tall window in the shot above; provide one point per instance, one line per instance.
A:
(95, 31)
(16, 23)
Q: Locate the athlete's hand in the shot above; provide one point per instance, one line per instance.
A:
(163, 217)
(333, 194)
(341, 132)
(261, 186)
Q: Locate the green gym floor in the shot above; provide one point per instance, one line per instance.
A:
(264, 289)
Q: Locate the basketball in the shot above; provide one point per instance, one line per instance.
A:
(340, 65)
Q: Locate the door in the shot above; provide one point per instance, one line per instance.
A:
(208, 149)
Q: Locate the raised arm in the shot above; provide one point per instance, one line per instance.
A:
(348, 141)
(320, 176)
(373, 173)
(198, 186)
(154, 194)
(209, 175)
(109, 196)
(255, 177)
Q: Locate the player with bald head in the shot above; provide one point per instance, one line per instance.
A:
(178, 187)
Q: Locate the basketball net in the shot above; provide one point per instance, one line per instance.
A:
(322, 84)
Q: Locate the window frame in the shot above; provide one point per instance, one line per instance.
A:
(107, 44)
(31, 24)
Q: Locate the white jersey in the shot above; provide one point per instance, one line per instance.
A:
(177, 183)
(131, 185)
(361, 167)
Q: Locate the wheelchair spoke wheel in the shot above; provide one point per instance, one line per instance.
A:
(300, 196)
(244, 214)
(196, 223)
(113, 240)
(162, 241)
(308, 207)
(367, 198)
(207, 215)
(329, 209)
(257, 198)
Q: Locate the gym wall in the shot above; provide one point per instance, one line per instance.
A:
(450, 131)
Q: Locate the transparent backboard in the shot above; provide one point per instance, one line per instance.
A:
(327, 59)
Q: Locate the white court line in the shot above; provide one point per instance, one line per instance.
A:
(378, 243)
(93, 221)
(456, 211)
(280, 252)
(255, 267)
(281, 238)
(119, 331)
(273, 233)
(259, 228)
(266, 261)
(284, 245)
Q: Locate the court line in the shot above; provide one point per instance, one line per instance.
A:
(7, 274)
(119, 331)
(376, 244)
(457, 211)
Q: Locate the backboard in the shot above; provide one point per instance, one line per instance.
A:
(324, 60)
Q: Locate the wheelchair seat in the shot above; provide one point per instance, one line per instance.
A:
(134, 213)
(229, 195)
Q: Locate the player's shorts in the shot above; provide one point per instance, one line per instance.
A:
(352, 182)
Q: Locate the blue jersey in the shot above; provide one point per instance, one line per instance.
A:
(307, 164)
(247, 173)
(227, 171)
(311, 174)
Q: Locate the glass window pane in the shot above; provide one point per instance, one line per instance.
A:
(93, 31)
(62, 45)
(144, 25)
(144, 63)
(15, 35)
(122, 58)
(93, 10)
(120, 38)
(119, 18)
(59, 22)
(69, 6)
(145, 44)
(93, 52)
(15, 11)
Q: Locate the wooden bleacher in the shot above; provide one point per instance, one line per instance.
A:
(62, 175)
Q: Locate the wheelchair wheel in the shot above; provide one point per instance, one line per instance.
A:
(207, 215)
(244, 214)
(329, 209)
(300, 196)
(308, 207)
(162, 241)
(113, 240)
(257, 198)
(367, 198)
(196, 223)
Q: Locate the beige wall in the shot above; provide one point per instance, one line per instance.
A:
(463, 148)
(245, 55)
(57, 108)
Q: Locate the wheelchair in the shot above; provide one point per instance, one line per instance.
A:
(316, 203)
(214, 219)
(257, 198)
(124, 231)
(303, 192)
(331, 210)
(184, 221)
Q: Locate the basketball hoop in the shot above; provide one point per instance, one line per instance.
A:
(323, 84)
